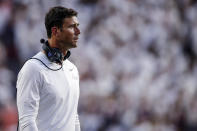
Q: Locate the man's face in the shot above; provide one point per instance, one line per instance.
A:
(68, 35)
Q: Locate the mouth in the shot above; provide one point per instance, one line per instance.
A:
(76, 38)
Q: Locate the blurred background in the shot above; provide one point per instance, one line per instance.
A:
(137, 61)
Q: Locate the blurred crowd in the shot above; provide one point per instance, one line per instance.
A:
(137, 61)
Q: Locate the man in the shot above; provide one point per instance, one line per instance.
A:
(48, 83)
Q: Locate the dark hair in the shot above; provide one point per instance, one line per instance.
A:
(55, 17)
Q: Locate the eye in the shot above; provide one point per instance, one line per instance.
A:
(70, 27)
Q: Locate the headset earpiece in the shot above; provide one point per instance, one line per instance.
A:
(53, 54)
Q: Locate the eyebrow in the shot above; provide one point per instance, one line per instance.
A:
(76, 24)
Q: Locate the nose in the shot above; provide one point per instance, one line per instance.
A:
(77, 31)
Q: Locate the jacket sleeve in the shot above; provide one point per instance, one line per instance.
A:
(28, 97)
(77, 123)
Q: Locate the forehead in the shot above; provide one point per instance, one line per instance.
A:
(70, 21)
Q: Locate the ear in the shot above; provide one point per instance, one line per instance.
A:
(54, 31)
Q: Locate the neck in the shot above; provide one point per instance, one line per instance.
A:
(54, 44)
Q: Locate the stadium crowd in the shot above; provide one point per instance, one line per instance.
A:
(137, 61)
